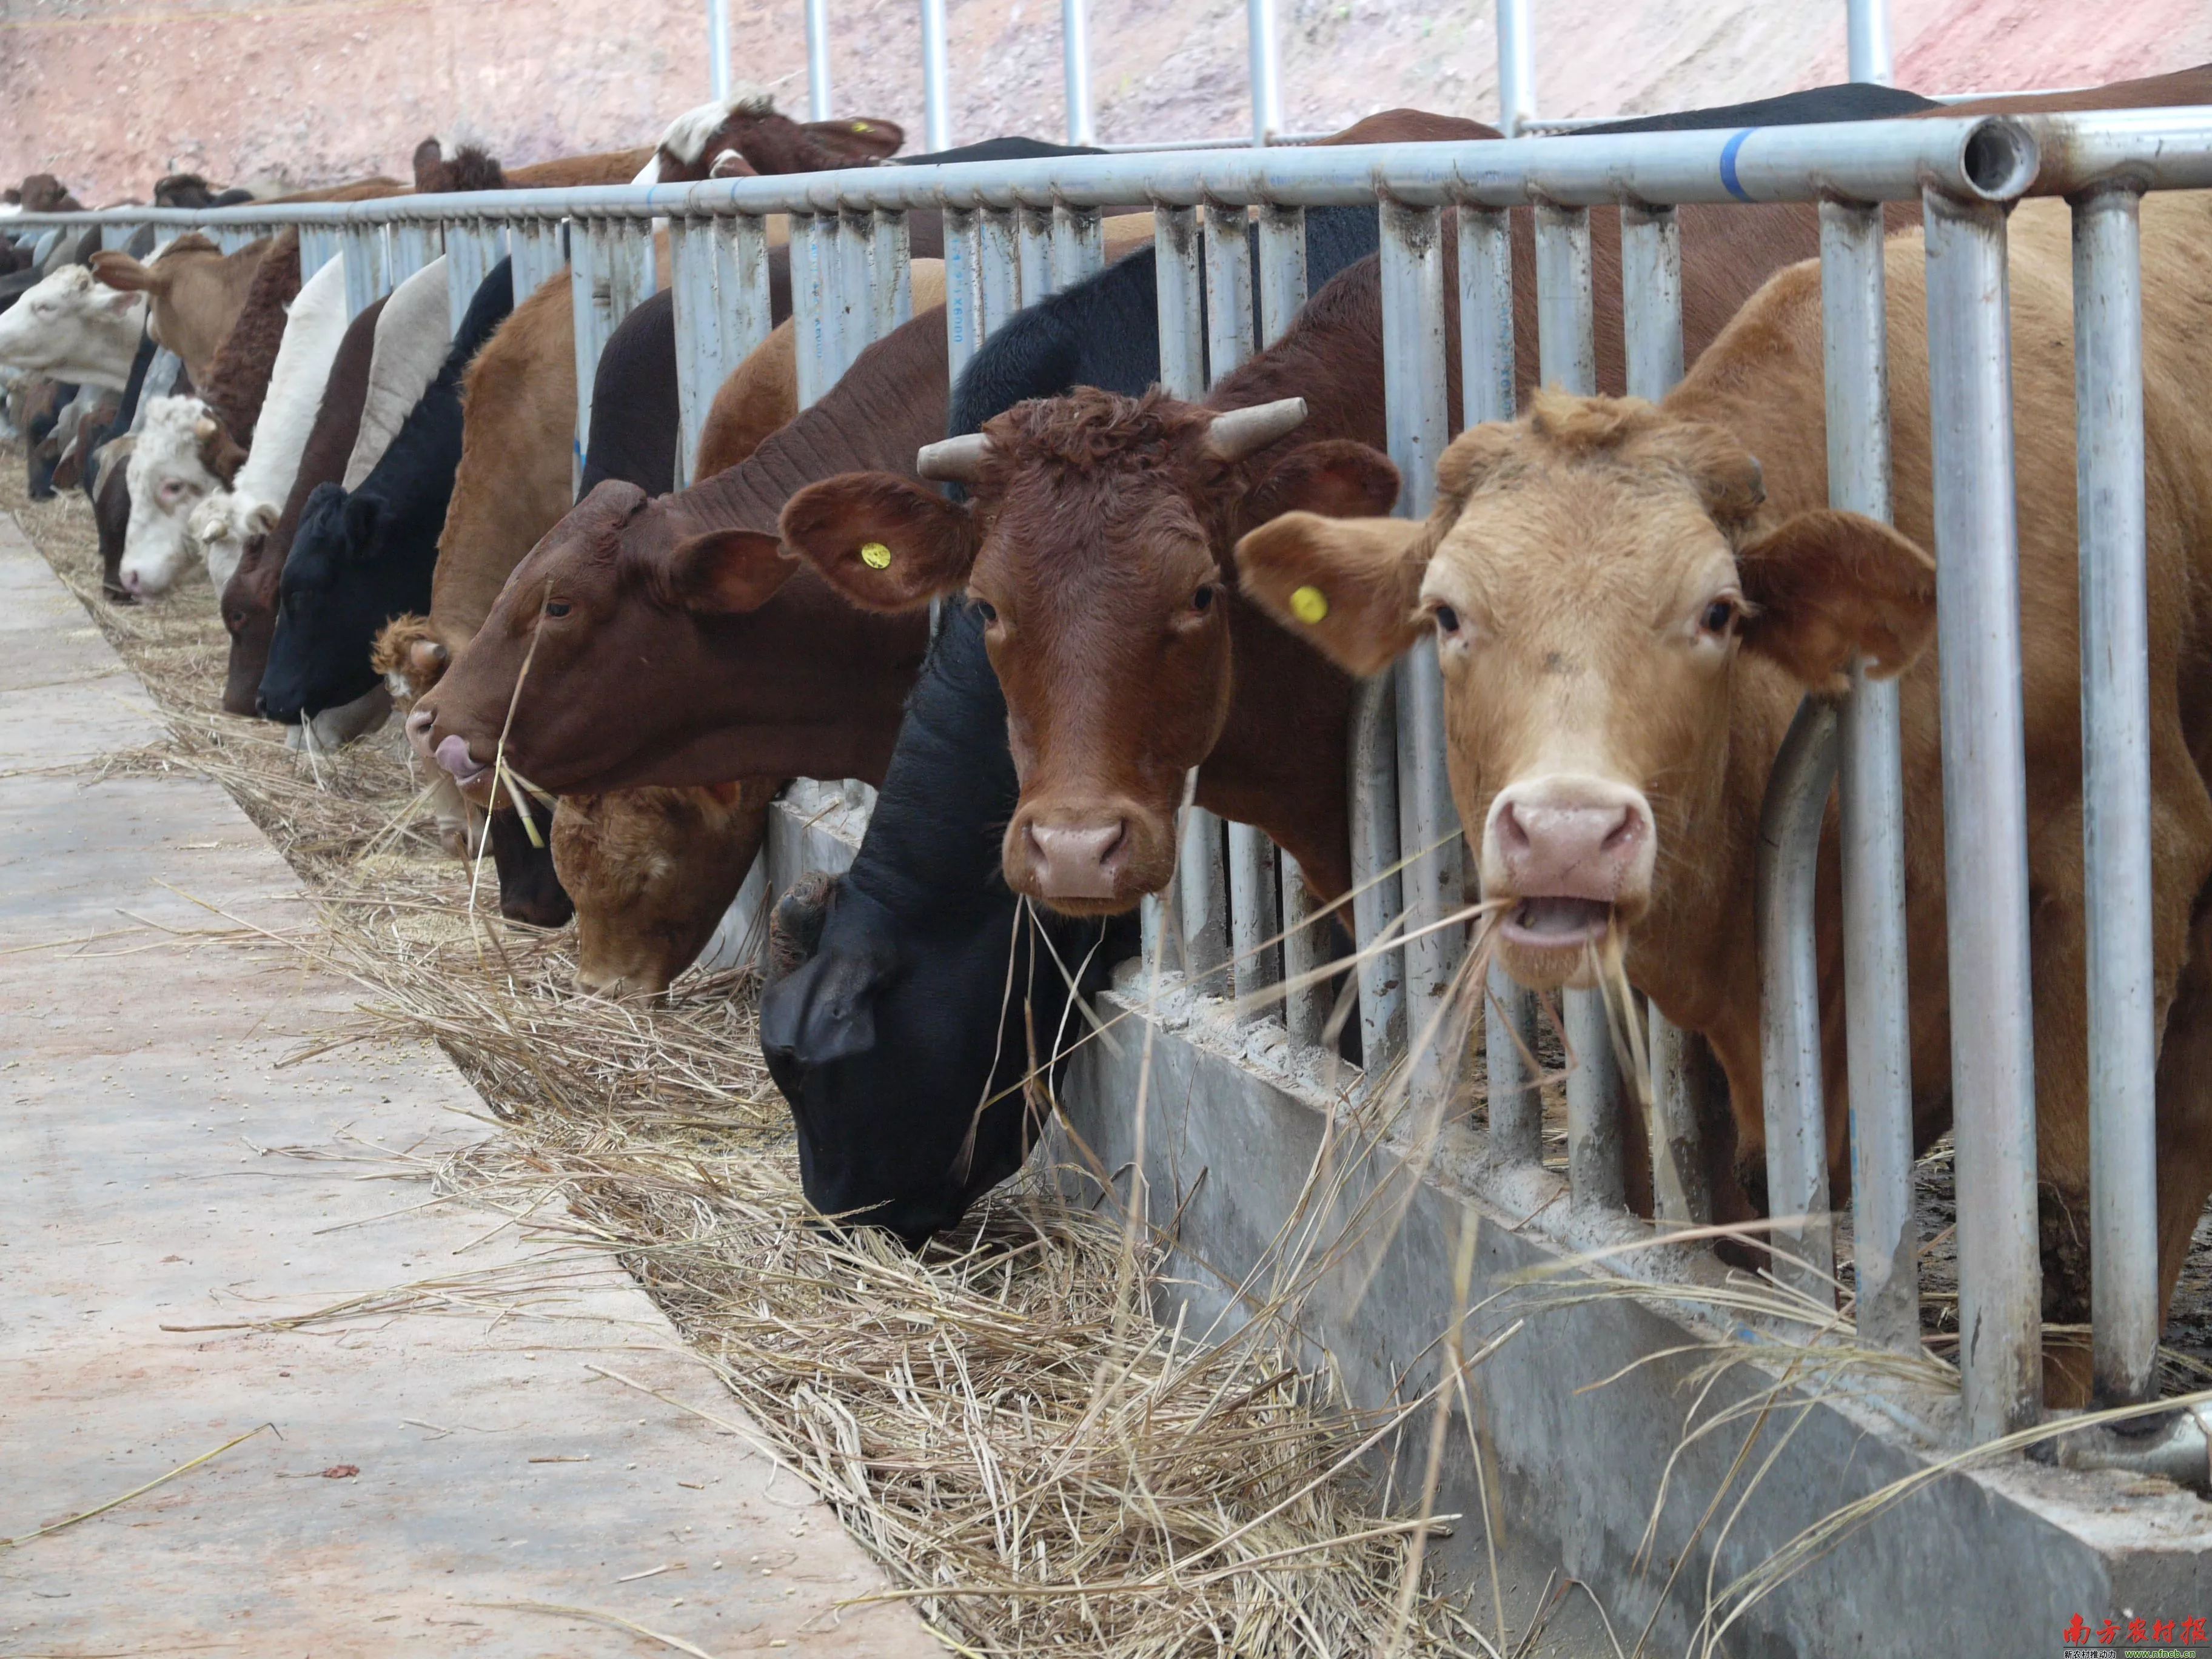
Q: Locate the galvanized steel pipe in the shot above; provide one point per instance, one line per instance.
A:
(1985, 815)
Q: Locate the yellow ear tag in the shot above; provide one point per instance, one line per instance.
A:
(877, 557)
(1309, 604)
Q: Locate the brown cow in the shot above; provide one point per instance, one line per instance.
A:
(749, 127)
(249, 598)
(194, 291)
(1628, 607)
(652, 871)
(238, 379)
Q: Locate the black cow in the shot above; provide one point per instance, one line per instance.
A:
(888, 1021)
(361, 559)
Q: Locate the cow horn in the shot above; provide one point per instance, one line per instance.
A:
(203, 428)
(1237, 433)
(957, 460)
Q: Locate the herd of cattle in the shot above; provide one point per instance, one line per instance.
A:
(1628, 601)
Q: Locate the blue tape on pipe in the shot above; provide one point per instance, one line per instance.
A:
(1729, 181)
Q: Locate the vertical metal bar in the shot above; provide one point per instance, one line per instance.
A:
(741, 286)
(1078, 245)
(1267, 71)
(319, 245)
(700, 364)
(1651, 321)
(1595, 1163)
(2108, 404)
(855, 295)
(470, 252)
(1867, 28)
(1075, 55)
(999, 268)
(536, 246)
(890, 273)
(1282, 284)
(817, 341)
(1033, 244)
(589, 311)
(718, 49)
(1487, 393)
(1680, 1074)
(1517, 67)
(1566, 349)
(1200, 878)
(936, 118)
(817, 60)
(1984, 815)
(412, 246)
(1417, 417)
(1252, 905)
(964, 289)
(1878, 1036)
(365, 279)
(1790, 1002)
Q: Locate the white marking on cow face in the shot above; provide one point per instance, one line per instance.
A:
(168, 482)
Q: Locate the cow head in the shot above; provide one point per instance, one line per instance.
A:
(744, 135)
(334, 594)
(43, 193)
(1600, 579)
(652, 872)
(182, 457)
(72, 327)
(223, 527)
(618, 640)
(470, 167)
(1096, 543)
(195, 292)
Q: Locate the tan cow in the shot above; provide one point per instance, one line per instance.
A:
(1626, 620)
(196, 290)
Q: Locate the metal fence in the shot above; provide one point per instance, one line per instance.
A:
(1016, 231)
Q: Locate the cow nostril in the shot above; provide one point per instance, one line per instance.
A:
(1512, 836)
(1623, 836)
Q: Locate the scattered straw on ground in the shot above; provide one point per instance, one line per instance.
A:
(1037, 1462)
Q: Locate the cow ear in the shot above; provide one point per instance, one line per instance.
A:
(728, 572)
(120, 271)
(1821, 588)
(862, 137)
(362, 513)
(1335, 477)
(1348, 586)
(886, 543)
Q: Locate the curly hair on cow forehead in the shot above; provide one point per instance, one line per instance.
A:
(1090, 430)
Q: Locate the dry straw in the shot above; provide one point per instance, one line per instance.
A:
(1040, 1464)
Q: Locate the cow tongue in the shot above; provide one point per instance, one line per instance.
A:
(454, 755)
(1565, 921)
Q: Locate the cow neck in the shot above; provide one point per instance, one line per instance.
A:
(1281, 760)
(889, 404)
(933, 846)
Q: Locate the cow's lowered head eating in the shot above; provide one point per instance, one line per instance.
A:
(1095, 541)
(1600, 579)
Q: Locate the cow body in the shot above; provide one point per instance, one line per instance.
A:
(413, 334)
(222, 526)
(249, 598)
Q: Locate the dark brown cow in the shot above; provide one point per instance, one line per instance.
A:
(749, 128)
(238, 379)
(43, 193)
(249, 600)
(806, 686)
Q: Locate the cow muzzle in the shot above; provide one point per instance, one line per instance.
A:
(468, 772)
(1570, 859)
(1088, 861)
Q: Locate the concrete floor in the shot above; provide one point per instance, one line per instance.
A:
(413, 1468)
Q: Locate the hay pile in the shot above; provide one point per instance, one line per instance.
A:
(1037, 1462)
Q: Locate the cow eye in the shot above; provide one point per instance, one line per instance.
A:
(987, 612)
(556, 607)
(1447, 620)
(1202, 599)
(1719, 617)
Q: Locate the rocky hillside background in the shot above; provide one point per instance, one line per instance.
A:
(111, 93)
